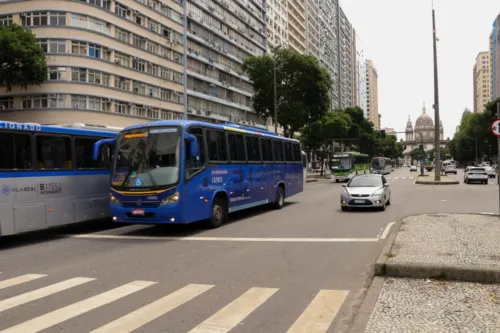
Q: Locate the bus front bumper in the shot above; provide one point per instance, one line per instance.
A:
(167, 214)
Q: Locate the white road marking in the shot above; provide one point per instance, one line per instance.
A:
(403, 177)
(411, 177)
(386, 230)
(232, 314)
(150, 312)
(230, 239)
(444, 200)
(20, 279)
(320, 313)
(12, 302)
(58, 316)
(123, 230)
(396, 177)
(487, 213)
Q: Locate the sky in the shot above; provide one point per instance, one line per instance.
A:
(397, 36)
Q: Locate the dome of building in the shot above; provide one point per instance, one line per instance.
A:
(424, 121)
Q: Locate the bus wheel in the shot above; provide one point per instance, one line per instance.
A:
(280, 198)
(219, 213)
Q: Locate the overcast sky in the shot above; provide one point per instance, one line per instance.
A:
(397, 36)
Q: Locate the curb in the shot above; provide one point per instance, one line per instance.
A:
(380, 264)
(364, 312)
(420, 182)
(465, 273)
(311, 180)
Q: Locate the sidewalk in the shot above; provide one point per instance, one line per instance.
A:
(437, 273)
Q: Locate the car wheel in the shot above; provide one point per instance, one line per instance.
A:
(344, 209)
(219, 213)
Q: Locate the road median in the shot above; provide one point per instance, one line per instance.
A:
(429, 180)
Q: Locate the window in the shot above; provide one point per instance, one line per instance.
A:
(194, 164)
(52, 45)
(84, 151)
(15, 151)
(216, 144)
(253, 149)
(278, 151)
(44, 18)
(288, 151)
(266, 146)
(44, 101)
(57, 73)
(53, 152)
(6, 103)
(297, 154)
(236, 147)
(5, 20)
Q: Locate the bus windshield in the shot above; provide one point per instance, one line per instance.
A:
(147, 157)
(379, 163)
(344, 163)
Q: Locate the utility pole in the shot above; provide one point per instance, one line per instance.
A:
(437, 136)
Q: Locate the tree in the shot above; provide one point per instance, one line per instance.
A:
(302, 88)
(361, 131)
(22, 61)
(319, 135)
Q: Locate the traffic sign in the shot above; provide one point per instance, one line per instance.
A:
(495, 127)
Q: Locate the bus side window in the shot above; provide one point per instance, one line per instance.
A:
(15, 150)
(53, 152)
(84, 149)
(297, 153)
(193, 164)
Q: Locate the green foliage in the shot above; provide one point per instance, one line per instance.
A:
(474, 132)
(22, 61)
(302, 88)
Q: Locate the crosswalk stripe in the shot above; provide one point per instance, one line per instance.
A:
(20, 279)
(320, 313)
(150, 312)
(236, 311)
(42, 292)
(58, 316)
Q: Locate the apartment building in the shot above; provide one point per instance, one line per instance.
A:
(482, 81)
(277, 23)
(345, 41)
(313, 28)
(372, 94)
(297, 25)
(359, 97)
(117, 62)
(495, 57)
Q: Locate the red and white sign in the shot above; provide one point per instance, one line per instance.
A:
(495, 128)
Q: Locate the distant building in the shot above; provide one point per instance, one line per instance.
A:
(390, 131)
(423, 133)
(359, 97)
(372, 93)
(482, 81)
(495, 57)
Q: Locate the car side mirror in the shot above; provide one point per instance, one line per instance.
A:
(344, 185)
(386, 185)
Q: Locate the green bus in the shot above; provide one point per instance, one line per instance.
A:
(346, 165)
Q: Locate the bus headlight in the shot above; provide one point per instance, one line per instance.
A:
(173, 198)
(114, 200)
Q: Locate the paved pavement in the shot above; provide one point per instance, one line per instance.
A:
(300, 269)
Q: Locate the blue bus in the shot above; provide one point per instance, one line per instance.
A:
(178, 172)
(48, 176)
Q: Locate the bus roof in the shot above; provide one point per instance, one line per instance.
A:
(225, 127)
(73, 128)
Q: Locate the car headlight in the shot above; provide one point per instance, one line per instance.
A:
(345, 193)
(170, 199)
(377, 193)
(114, 200)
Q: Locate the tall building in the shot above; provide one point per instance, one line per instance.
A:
(372, 93)
(495, 57)
(297, 25)
(345, 41)
(126, 62)
(313, 28)
(358, 61)
(277, 23)
(482, 81)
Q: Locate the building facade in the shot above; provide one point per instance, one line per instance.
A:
(495, 57)
(358, 61)
(482, 81)
(421, 134)
(277, 23)
(372, 94)
(122, 62)
(345, 42)
(297, 25)
(313, 28)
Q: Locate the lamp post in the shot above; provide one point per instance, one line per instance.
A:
(437, 137)
(275, 97)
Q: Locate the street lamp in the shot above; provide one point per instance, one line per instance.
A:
(275, 97)
(437, 137)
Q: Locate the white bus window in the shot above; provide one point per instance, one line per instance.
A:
(53, 152)
(15, 150)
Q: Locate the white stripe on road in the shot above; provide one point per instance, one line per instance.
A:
(232, 314)
(41, 293)
(58, 316)
(487, 213)
(150, 312)
(403, 177)
(386, 230)
(123, 230)
(230, 239)
(320, 313)
(20, 279)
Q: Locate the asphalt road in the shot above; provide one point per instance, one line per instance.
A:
(299, 269)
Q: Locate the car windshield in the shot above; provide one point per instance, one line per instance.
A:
(365, 182)
(147, 157)
(342, 163)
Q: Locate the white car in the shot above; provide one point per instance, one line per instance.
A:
(490, 171)
(475, 174)
(413, 168)
(366, 191)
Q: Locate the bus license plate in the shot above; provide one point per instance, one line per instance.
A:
(359, 201)
(137, 211)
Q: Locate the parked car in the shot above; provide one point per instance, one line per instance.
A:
(413, 168)
(490, 171)
(475, 174)
(451, 168)
(366, 191)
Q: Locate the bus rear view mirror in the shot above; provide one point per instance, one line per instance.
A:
(97, 147)
(194, 149)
